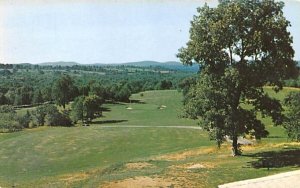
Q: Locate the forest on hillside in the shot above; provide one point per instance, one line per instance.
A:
(47, 87)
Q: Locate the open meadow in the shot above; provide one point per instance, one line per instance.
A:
(143, 142)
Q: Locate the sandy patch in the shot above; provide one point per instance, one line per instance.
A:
(161, 107)
(74, 177)
(139, 182)
(185, 175)
(187, 154)
(200, 165)
(138, 166)
(271, 145)
(191, 166)
(129, 108)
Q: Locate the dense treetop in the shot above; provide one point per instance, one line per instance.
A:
(241, 46)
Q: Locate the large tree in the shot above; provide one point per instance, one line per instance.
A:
(241, 46)
(64, 90)
(85, 107)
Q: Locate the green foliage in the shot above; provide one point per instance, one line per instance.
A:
(85, 108)
(292, 122)
(122, 94)
(23, 95)
(3, 99)
(92, 105)
(37, 97)
(35, 84)
(39, 115)
(24, 120)
(186, 84)
(56, 118)
(50, 156)
(8, 120)
(64, 90)
(164, 84)
(293, 82)
(78, 110)
(49, 115)
(241, 46)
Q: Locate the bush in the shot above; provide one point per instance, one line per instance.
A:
(24, 120)
(50, 115)
(8, 122)
(55, 118)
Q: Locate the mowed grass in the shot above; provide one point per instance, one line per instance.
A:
(41, 155)
(152, 108)
(97, 155)
(27, 156)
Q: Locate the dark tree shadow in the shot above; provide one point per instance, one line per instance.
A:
(137, 101)
(108, 121)
(276, 159)
(275, 136)
(115, 102)
(105, 109)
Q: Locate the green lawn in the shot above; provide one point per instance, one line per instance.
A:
(33, 154)
(154, 108)
(92, 156)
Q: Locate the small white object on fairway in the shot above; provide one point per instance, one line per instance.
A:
(282, 180)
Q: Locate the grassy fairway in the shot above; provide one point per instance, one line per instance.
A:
(29, 155)
(154, 108)
(105, 155)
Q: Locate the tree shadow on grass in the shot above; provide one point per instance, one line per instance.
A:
(275, 137)
(115, 102)
(105, 109)
(108, 121)
(276, 159)
(137, 101)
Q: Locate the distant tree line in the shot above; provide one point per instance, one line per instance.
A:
(50, 90)
(27, 84)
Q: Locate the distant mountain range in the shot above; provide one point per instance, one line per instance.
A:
(173, 65)
(59, 63)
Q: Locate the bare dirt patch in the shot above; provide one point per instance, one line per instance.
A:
(186, 154)
(200, 165)
(74, 177)
(138, 182)
(138, 166)
(271, 145)
(191, 166)
(185, 175)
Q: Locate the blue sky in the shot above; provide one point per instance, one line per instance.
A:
(102, 31)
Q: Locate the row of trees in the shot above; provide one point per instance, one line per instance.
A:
(65, 88)
(48, 115)
(87, 95)
(84, 109)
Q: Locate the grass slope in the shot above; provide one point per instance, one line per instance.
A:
(101, 155)
(154, 108)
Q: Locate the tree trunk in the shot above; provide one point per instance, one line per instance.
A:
(235, 148)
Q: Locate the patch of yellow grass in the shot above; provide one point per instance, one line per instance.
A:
(141, 181)
(270, 145)
(186, 154)
(138, 165)
(70, 178)
(190, 166)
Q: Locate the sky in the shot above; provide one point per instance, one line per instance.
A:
(104, 31)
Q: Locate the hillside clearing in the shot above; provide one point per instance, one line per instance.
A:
(130, 146)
